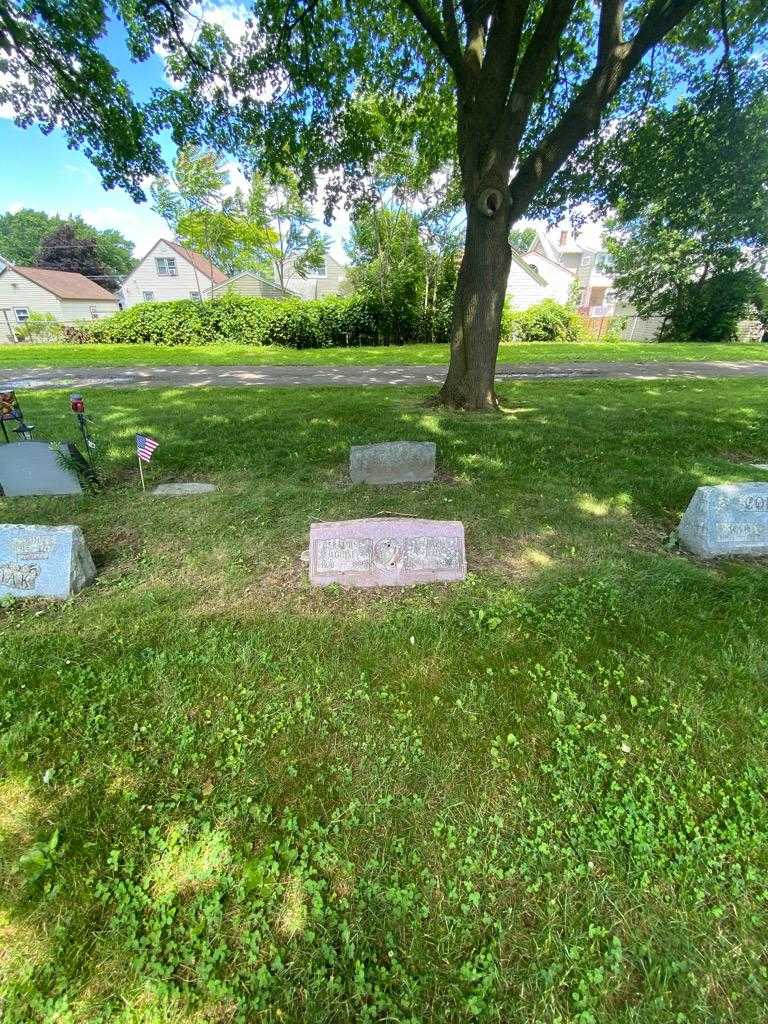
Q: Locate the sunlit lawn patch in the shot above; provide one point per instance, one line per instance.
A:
(536, 796)
(19, 356)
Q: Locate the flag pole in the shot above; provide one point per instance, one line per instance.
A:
(141, 473)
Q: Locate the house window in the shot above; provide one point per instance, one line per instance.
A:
(148, 296)
(94, 312)
(195, 296)
(22, 314)
(166, 266)
(582, 300)
(586, 260)
(321, 273)
(603, 262)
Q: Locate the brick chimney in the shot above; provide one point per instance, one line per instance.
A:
(563, 238)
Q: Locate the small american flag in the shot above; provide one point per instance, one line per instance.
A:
(145, 447)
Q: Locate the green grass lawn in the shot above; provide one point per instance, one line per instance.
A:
(536, 796)
(14, 356)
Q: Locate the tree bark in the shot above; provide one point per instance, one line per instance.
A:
(477, 308)
(497, 86)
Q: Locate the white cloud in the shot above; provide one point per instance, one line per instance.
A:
(14, 207)
(139, 224)
(84, 171)
(236, 179)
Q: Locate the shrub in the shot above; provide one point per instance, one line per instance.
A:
(614, 333)
(710, 310)
(548, 321)
(40, 327)
(243, 320)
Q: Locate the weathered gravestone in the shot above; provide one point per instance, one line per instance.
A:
(386, 552)
(32, 467)
(393, 462)
(43, 561)
(180, 490)
(726, 519)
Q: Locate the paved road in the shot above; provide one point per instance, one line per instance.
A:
(354, 376)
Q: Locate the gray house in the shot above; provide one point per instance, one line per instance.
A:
(331, 279)
(249, 282)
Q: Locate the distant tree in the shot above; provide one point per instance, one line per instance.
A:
(522, 238)
(63, 250)
(114, 250)
(690, 233)
(387, 257)
(228, 229)
(298, 247)
(22, 232)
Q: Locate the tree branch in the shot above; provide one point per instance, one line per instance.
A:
(610, 33)
(432, 28)
(584, 113)
(538, 58)
(503, 47)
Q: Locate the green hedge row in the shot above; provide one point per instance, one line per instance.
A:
(548, 321)
(242, 320)
(319, 323)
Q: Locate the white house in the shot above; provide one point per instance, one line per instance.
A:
(597, 299)
(534, 277)
(66, 296)
(249, 282)
(169, 271)
(331, 279)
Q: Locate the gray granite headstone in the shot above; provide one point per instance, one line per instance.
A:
(393, 462)
(43, 561)
(32, 467)
(182, 489)
(386, 552)
(726, 519)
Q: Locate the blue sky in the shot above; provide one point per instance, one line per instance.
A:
(40, 172)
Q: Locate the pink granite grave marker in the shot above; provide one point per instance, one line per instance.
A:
(386, 552)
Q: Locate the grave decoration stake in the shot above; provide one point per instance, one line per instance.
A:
(10, 412)
(145, 448)
(77, 405)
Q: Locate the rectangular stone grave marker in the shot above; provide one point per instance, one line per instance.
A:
(386, 552)
(43, 561)
(32, 467)
(726, 519)
(393, 462)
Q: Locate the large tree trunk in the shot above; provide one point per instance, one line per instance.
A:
(477, 309)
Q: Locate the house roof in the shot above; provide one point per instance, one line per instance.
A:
(542, 244)
(199, 262)
(259, 277)
(519, 259)
(64, 284)
(560, 266)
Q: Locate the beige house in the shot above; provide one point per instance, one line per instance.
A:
(250, 283)
(168, 272)
(331, 279)
(65, 296)
(592, 268)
